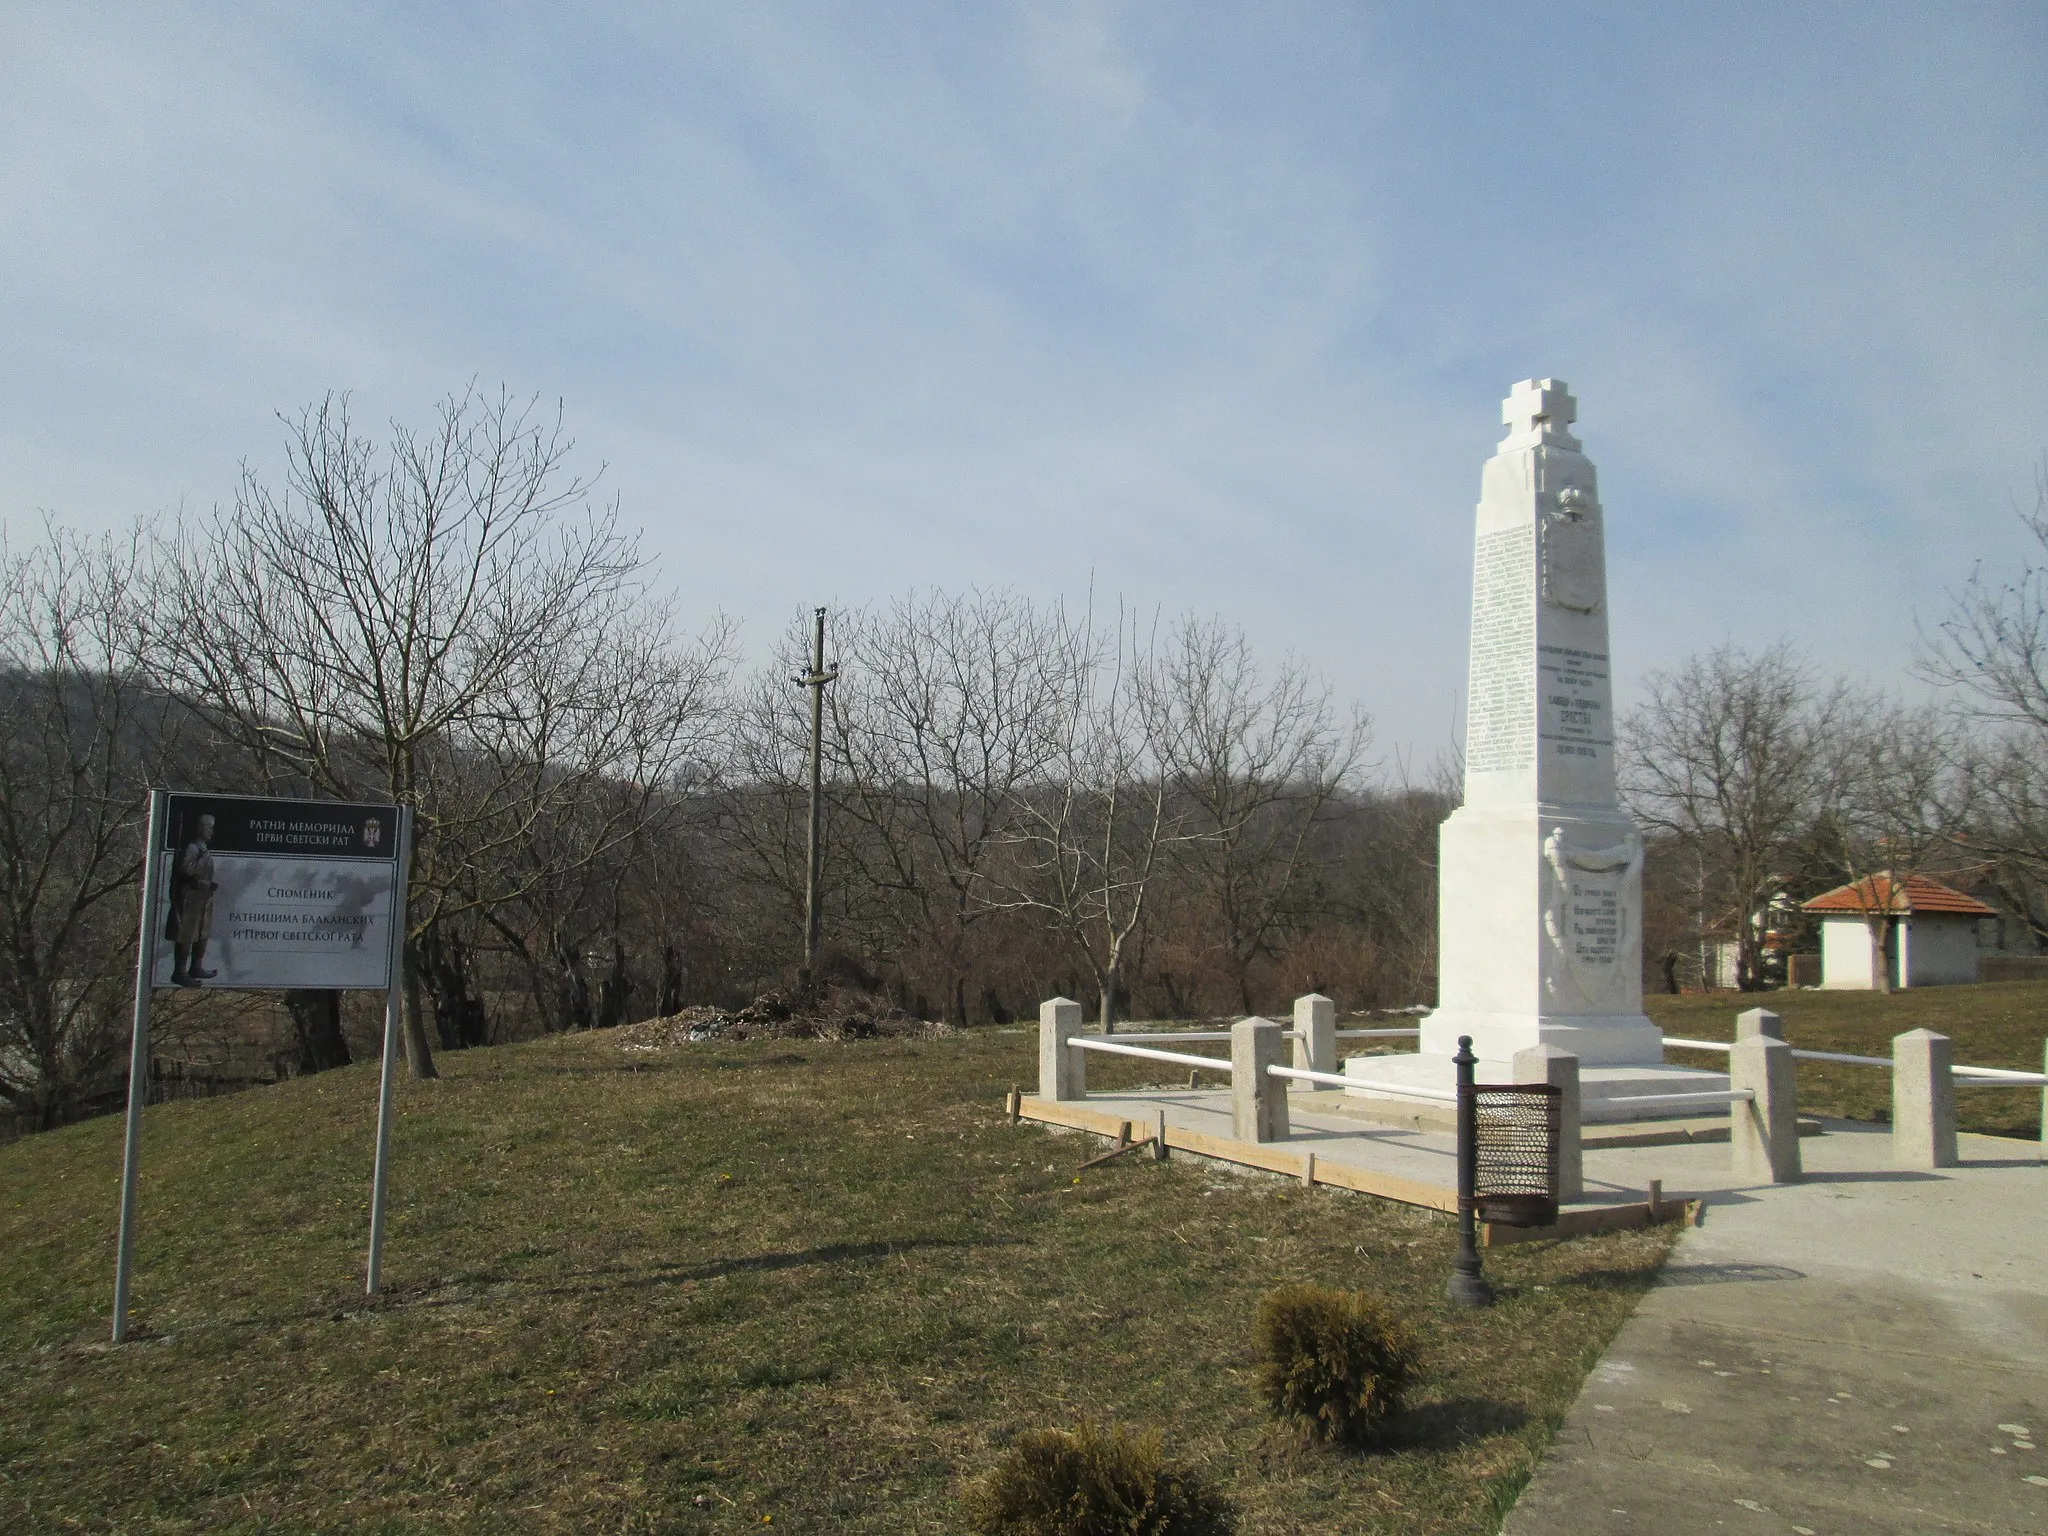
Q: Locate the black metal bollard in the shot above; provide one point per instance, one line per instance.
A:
(1467, 1285)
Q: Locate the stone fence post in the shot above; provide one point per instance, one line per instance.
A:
(1315, 1020)
(1759, 1021)
(1560, 1068)
(1062, 1074)
(1258, 1101)
(1763, 1131)
(1923, 1101)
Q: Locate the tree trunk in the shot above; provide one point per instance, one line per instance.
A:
(316, 1021)
(573, 1001)
(419, 1056)
(1108, 993)
(670, 1002)
(1883, 954)
(1749, 969)
(615, 992)
(460, 1019)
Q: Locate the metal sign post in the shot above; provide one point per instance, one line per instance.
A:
(138, 1057)
(393, 999)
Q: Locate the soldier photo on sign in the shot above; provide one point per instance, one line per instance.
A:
(191, 919)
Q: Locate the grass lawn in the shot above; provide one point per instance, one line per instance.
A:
(1994, 1024)
(804, 1287)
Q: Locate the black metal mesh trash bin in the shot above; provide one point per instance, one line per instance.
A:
(1515, 1156)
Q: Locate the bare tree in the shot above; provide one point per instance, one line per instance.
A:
(1991, 649)
(449, 623)
(944, 712)
(1095, 827)
(1892, 800)
(1258, 761)
(1730, 754)
(83, 734)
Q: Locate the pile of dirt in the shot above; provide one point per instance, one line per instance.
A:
(833, 1015)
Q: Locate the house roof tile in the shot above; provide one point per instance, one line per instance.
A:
(1915, 893)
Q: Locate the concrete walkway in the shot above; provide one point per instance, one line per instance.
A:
(1862, 1352)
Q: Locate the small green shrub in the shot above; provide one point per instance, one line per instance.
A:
(1338, 1361)
(1092, 1483)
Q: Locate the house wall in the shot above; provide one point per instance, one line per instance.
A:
(1935, 950)
(2006, 934)
(1940, 950)
(1845, 954)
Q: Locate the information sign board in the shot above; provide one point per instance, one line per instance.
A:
(264, 893)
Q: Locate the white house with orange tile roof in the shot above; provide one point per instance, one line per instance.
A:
(1929, 933)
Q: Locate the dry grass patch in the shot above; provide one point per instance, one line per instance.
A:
(818, 1285)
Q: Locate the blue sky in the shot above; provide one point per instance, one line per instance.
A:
(1212, 306)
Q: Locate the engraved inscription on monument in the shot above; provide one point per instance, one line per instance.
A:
(1501, 716)
(1572, 687)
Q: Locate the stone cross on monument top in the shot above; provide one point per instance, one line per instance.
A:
(1539, 411)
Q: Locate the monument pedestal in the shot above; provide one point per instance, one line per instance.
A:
(1539, 913)
(1602, 1090)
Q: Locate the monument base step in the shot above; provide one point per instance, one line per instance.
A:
(1672, 1133)
(1604, 1092)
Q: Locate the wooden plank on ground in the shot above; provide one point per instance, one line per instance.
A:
(1224, 1149)
(1387, 1186)
(1072, 1116)
(1114, 1153)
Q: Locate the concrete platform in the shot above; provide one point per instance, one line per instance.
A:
(1856, 1352)
(1418, 1166)
(1685, 1157)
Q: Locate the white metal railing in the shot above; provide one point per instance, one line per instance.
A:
(1988, 1077)
(1994, 1076)
(1377, 1034)
(1339, 1080)
(1118, 1048)
(1187, 1036)
(1848, 1061)
(1215, 1064)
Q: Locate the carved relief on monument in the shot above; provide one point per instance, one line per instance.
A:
(1574, 571)
(1591, 895)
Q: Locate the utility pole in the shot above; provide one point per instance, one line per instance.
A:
(815, 680)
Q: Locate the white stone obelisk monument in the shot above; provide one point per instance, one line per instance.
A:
(1540, 895)
(1540, 890)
